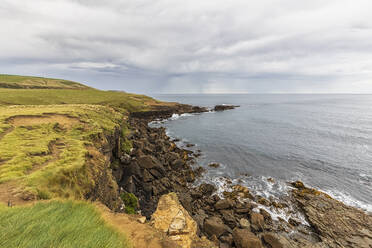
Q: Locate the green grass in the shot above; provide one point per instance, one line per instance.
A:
(57, 224)
(27, 146)
(28, 82)
(119, 100)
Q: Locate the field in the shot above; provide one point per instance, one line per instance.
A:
(26, 82)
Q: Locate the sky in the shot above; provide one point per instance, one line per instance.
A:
(193, 46)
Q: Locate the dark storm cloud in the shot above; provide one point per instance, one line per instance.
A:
(192, 46)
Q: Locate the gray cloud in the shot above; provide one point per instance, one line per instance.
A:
(193, 46)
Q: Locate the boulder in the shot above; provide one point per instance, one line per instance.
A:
(276, 240)
(171, 218)
(244, 224)
(223, 204)
(215, 226)
(243, 238)
(207, 189)
(257, 221)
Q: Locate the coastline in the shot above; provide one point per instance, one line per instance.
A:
(220, 217)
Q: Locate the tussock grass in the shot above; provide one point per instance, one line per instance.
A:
(57, 224)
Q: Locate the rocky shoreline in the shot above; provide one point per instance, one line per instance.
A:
(156, 167)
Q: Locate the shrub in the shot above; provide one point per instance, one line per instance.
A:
(130, 201)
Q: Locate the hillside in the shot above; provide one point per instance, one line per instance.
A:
(28, 82)
(57, 143)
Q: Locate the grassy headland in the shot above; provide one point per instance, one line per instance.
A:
(51, 137)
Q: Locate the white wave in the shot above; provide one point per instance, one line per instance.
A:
(349, 200)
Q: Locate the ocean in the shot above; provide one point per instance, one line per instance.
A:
(323, 140)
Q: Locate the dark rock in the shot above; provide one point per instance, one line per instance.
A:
(228, 217)
(199, 217)
(293, 222)
(215, 226)
(147, 177)
(224, 107)
(266, 215)
(223, 204)
(207, 189)
(214, 165)
(243, 238)
(227, 239)
(177, 164)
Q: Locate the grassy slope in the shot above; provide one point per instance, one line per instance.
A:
(32, 165)
(19, 82)
(32, 122)
(57, 224)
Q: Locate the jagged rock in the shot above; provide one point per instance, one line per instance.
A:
(207, 189)
(257, 221)
(336, 223)
(171, 218)
(223, 204)
(147, 177)
(228, 217)
(243, 238)
(266, 215)
(215, 226)
(224, 107)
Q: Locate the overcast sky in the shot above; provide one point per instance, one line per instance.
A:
(193, 46)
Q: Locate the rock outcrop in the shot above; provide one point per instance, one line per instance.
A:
(337, 225)
(224, 107)
(171, 218)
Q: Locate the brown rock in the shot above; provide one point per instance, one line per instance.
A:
(215, 226)
(266, 215)
(276, 241)
(257, 221)
(171, 218)
(223, 204)
(243, 238)
(244, 224)
(336, 223)
(206, 189)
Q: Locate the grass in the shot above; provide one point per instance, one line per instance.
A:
(119, 100)
(27, 82)
(51, 135)
(57, 224)
(64, 175)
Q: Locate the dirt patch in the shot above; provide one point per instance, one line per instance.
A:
(9, 194)
(55, 148)
(31, 120)
(140, 235)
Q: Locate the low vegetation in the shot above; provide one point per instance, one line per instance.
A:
(57, 224)
(27, 82)
(50, 131)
